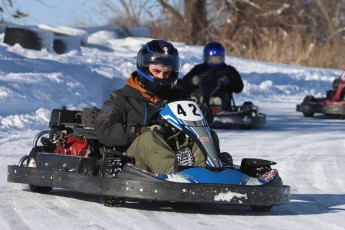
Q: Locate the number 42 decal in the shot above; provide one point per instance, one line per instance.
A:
(186, 110)
(180, 110)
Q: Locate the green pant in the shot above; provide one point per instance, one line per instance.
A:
(152, 153)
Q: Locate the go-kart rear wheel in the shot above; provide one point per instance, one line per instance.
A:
(112, 201)
(246, 127)
(261, 208)
(31, 162)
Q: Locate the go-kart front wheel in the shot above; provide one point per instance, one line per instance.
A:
(246, 126)
(308, 114)
(261, 208)
(40, 189)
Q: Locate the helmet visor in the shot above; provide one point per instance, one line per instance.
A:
(215, 60)
(160, 59)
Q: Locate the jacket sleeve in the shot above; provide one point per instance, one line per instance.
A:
(235, 83)
(111, 128)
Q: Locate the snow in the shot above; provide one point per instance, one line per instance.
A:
(66, 31)
(228, 196)
(309, 151)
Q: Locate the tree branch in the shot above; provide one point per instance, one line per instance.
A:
(171, 9)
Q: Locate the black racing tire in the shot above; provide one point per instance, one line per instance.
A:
(246, 127)
(112, 201)
(59, 46)
(32, 163)
(307, 99)
(247, 104)
(261, 208)
(26, 38)
(308, 114)
(40, 189)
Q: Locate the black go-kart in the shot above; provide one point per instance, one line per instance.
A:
(69, 156)
(227, 114)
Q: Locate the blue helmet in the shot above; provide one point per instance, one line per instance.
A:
(214, 55)
(158, 52)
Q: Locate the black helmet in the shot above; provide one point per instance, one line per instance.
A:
(214, 55)
(162, 53)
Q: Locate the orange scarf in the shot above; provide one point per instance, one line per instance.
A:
(134, 83)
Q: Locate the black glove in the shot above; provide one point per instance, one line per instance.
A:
(133, 131)
(224, 80)
(196, 80)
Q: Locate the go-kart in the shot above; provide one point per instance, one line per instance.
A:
(226, 113)
(69, 156)
(332, 105)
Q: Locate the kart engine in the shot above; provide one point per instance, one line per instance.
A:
(73, 145)
(72, 132)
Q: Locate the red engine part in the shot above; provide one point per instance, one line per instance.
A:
(339, 91)
(216, 109)
(73, 145)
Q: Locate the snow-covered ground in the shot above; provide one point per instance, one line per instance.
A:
(309, 151)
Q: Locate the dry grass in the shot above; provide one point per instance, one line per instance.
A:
(328, 56)
(297, 50)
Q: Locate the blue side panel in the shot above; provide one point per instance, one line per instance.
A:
(202, 175)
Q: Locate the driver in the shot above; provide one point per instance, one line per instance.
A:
(214, 65)
(124, 120)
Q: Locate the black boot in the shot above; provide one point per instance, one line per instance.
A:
(111, 167)
(184, 158)
(226, 159)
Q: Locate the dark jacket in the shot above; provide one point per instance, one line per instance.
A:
(234, 82)
(124, 112)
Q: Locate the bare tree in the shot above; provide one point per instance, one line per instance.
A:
(293, 29)
(194, 19)
(130, 13)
